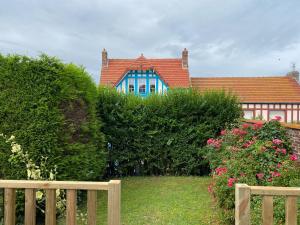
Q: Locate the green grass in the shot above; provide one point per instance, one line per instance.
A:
(161, 201)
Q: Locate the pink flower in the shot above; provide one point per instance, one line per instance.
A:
(260, 176)
(258, 125)
(231, 181)
(223, 132)
(221, 170)
(236, 131)
(279, 165)
(278, 118)
(242, 174)
(239, 132)
(210, 188)
(293, 157)
(275, 174)
(210, 141)
(277, 141)
(248, 144)
(214, 143)
(283, 151)
(245, 126)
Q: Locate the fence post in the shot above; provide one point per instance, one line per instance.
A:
(242, 204)
(30, 207)
(291, 210)
(9, 206)
(71, 207)
(114, 202)
(50, 207)
(92, 207)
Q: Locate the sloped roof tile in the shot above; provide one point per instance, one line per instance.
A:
(170, 70)
(253, 89)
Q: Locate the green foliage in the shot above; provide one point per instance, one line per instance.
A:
(50, 108)
(256, 155)
(161, 135)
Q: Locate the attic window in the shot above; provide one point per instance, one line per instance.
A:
(131, 85)
(152, 88)
(131, 88)
(142, 89)
(142, 86)
(152, 85)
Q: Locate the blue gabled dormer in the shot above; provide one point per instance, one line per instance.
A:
(142, 83)
(143, 76)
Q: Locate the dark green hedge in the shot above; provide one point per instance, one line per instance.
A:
(161, 135)
(50, 108)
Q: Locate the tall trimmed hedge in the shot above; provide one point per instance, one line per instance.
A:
(49, 107)
(162, 135)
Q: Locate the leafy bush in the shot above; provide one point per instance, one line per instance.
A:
(34, 172)
(258, 154)
(50, 108)
(161, 135)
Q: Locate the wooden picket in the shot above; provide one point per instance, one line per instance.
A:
(114, 200)
(242, 203)
(50, 207)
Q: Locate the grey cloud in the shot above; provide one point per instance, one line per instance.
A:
(232, 37)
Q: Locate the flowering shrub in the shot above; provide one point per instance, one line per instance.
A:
(258, 154)
(20, 159)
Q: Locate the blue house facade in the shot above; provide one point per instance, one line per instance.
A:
(145, 76)
(142, 83)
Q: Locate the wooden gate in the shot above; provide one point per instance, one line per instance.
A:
(114, 200)
(243, 193)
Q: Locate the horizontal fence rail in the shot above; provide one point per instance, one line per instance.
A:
(113, 188)
(243, 194)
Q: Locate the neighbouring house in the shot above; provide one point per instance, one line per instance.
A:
(260, 97)
(143, 76)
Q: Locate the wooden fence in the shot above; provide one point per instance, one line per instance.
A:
(114, 200)
(243, 193)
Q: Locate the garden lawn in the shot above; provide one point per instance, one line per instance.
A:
(161, 201)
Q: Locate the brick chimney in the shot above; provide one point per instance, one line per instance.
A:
(185, 57)
(294, 73)
(104, 58)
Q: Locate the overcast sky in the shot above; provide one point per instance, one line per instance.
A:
(224, 38)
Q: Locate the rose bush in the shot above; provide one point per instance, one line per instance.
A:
(258, 154)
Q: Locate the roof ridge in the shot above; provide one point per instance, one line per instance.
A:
(273, 76)
(132, 59)
(120, 59)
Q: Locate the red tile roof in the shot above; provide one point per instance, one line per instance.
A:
(169, 70)
(254, 89)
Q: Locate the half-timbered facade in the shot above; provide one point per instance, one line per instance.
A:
(260, 97)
